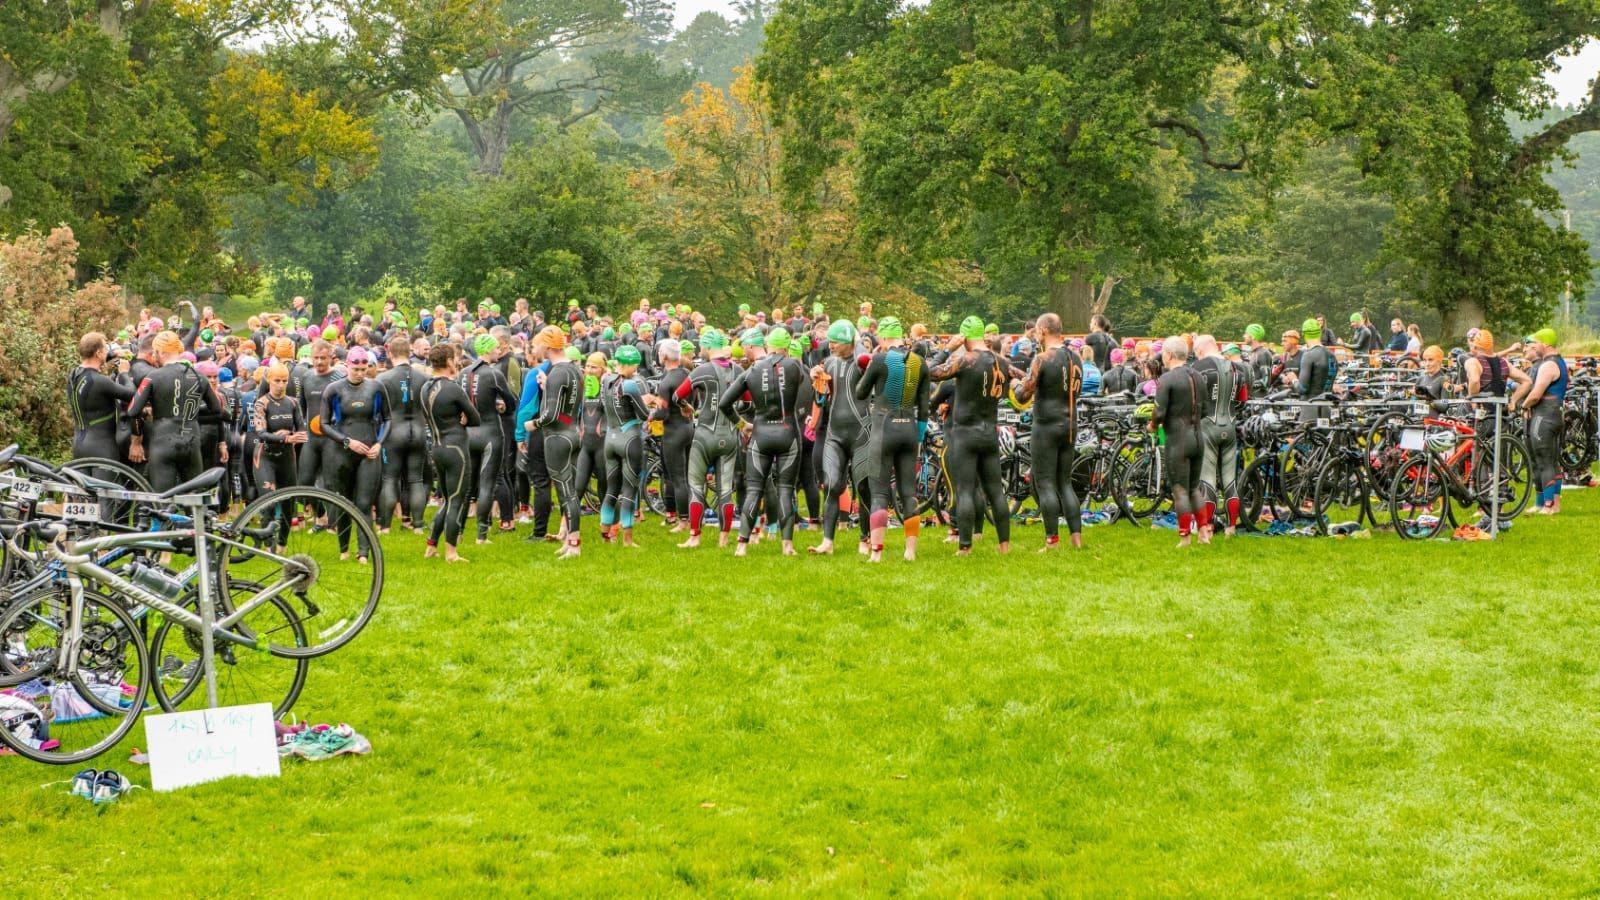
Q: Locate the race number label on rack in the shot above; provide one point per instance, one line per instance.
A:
(81, 511)
(25, 490)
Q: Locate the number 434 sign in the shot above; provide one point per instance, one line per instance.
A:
(189, 748)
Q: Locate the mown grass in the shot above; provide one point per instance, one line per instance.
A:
(1269, 716)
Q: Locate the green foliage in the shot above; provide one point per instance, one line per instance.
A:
(42, 315)
(560, 224)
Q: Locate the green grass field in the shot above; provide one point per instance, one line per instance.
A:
(1266, 716)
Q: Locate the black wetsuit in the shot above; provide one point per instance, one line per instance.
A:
(271, 421)
(897, 382)
(1179, 396)
(355, 412)
(1055, 381)
(591, 464)
(489, 392)
(623, 399)
(405, 450)
(844, 437)
(677, 432)
(981, 379)
(215, 431)
(1260, 363)
(95, 401)
(1117, 379)
(306, 385)
(772, 386)
(715, 442)
(560, 409)
(1222, 389)
(443, 405)
(175, 395)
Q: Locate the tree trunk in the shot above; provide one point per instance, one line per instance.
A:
(1454, 322)
(1072, 298)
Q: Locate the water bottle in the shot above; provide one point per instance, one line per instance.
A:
(156, 581)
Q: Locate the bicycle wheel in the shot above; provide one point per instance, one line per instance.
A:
(1340, 495)
(244, 676)
(64, 721)
(1419, 498)
(333, 597)
(1140, 492)
(653, 482)
(1514, 481)
(120, 512)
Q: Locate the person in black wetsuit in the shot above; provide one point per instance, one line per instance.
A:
(560, 409)
(488, 391)
(1100, 342)
(1542, 398)
(1222, 392)
(279, 427)
(405, 450)
(591, 463)
(95, 401)
(982, 378)
(897, 382)
(772, 387)
(1178, 402)
(677, 433)
(623, 396)
(449, 414)
(357, 419)
(174, 395)
(843, 433)
(215, 445)
(1258, 358)
(308, 386)
(1053, 382)
(716, 441)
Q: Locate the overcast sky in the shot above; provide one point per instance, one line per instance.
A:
(688, 9)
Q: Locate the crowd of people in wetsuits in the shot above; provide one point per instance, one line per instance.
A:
(512, 417)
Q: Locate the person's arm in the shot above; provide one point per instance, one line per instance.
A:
(380, 414)
(528, 403)
(1474, 370)
(924, 401)
(948, 369)
(1305, 375)
(868, 381)
(1532, 389)
(1030, 381)
(258, 422)
(333, 415)
(730, 398)
(1163, 403)
(467, 408)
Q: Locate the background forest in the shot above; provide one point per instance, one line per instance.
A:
(1170, 164)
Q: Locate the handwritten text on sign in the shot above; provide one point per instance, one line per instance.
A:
(190, 748)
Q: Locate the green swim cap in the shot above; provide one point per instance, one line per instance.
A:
(738, 351)
(778, 339)
(1230, 349)
(302, 321)
(817, 309)
(628, 355)
(304, 352)
(483, 344)
(591, 387)
(572, 304)
(573, 353)
(683, 309)
(991, 328)
(864, 321)
(1355, 318)
(625, 328)
(972, 328)
(207, 334)
(744, 308)
(1545, 336)
(494, 308)
(890, 327)
(712, 339)
(610, 334)
(1311, 329)
(842, 332)
(800, 344)
(751, 338)
(1255, 332)
(330, 333)
(122, 336)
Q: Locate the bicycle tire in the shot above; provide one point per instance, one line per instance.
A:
(1419, 479)
(1342, 481)
(97, 743)
(232, 660)
(360, 584)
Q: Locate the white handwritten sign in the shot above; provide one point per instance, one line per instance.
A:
(190, 748)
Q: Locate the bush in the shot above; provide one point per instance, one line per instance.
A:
(42, 315)
(1173, 321)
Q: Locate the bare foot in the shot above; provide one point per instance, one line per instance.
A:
(740, 549)
(823, 549)
(430, 552)
(1003, 547)
(691, 543)
(788, 548)
(875, 556)
(722, 541)
(1183, 542)
(451, 556)
(963, 551)
(864, 548)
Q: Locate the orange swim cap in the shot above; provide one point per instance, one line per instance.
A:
(1484, 340)
(167, 342)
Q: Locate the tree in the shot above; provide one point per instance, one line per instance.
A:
(132, 121)
(559, 225)
(42, 316)
(713, 48)
(1029, 132)
(1431, 91)
(727, 234)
